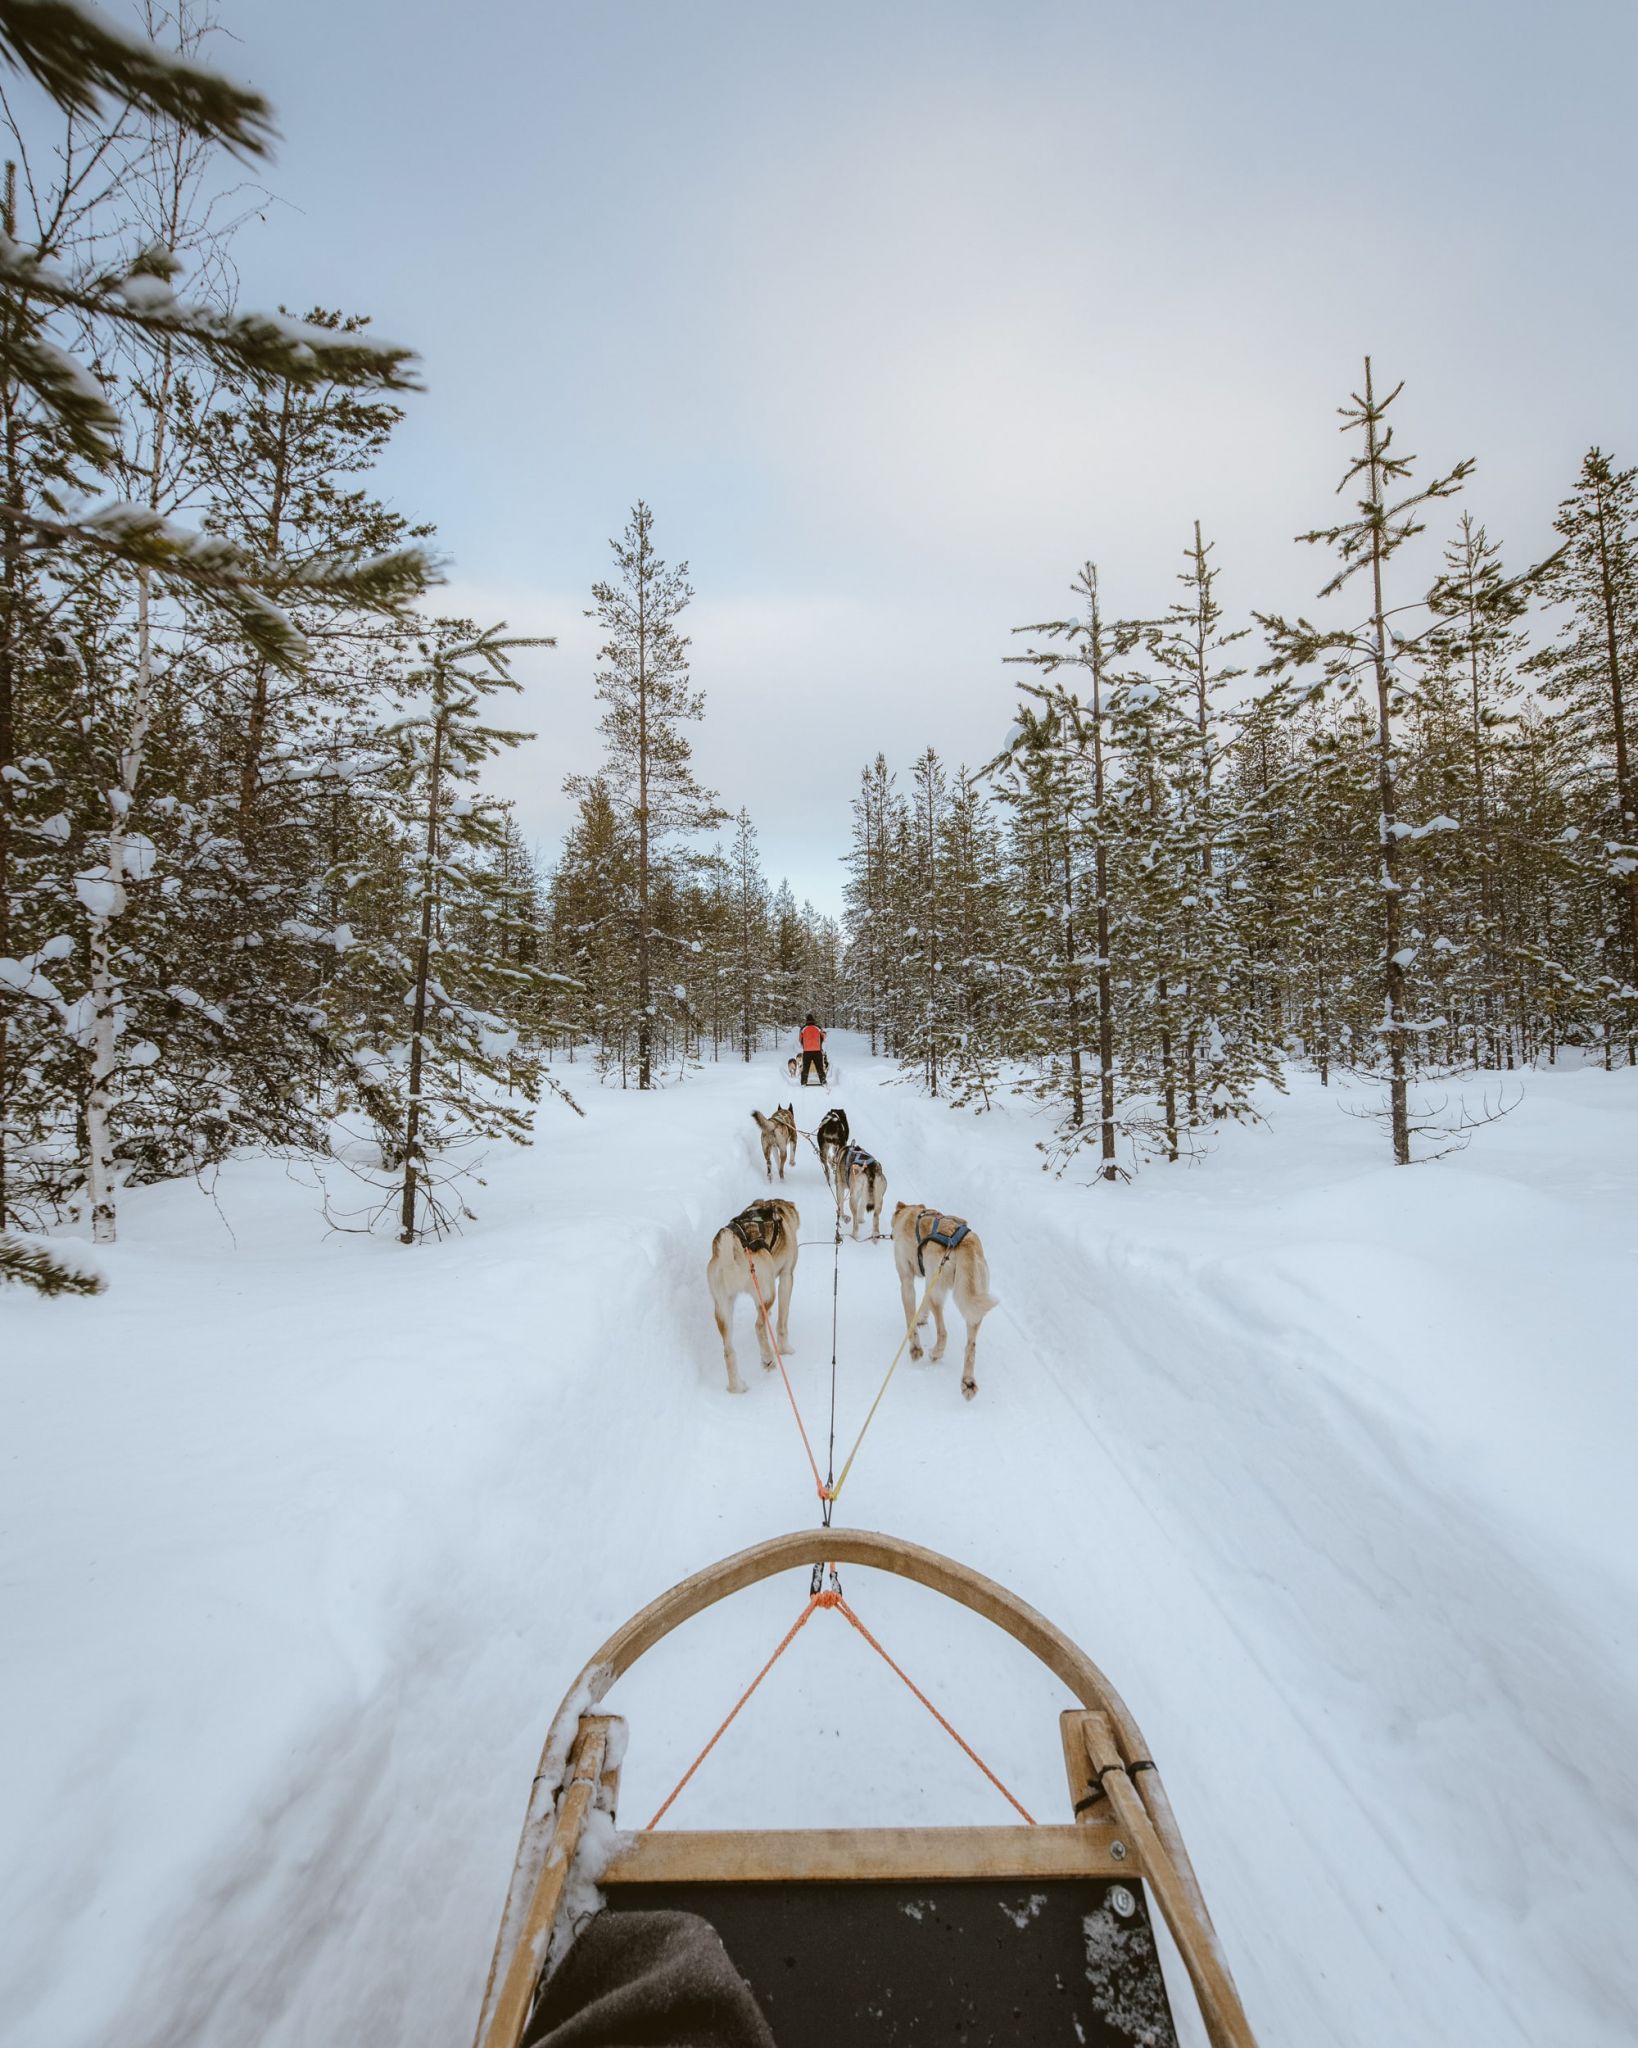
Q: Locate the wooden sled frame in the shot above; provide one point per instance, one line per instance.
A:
(1124, 1827)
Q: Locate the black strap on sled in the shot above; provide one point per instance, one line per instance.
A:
(760, 1228)
(932, 1228)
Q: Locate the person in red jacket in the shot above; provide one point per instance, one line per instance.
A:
(813, 1040)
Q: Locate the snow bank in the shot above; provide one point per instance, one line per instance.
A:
(303, 1537)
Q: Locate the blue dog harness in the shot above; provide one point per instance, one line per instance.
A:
(932, 1228)
(856, 1155)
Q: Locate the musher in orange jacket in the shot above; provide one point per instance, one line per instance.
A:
(812, 1040)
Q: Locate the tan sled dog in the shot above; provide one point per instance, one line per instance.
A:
(947, 1251)
(778, 1137)
(861, 1180)
(754, 1255)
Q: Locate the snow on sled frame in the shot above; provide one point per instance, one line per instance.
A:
(1123, 1834)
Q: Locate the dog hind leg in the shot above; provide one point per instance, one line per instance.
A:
(935, 1301)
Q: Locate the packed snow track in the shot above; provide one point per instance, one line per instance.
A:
(304, 1535)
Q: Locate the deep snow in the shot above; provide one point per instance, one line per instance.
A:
(1328, 1465)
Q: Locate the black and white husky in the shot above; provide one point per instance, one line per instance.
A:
(864, 1184)
(832, 1142)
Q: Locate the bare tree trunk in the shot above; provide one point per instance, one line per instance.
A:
(1393, 1017)
(1077, 1078)
(1168, 1072)
(644, 994)
(1100, 878)
(1626, 804)
(11, 593)
(423, 967)
(256, 712)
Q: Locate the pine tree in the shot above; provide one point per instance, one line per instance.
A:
(1469, 709)
(649, 774)
(1591, 672)
(980, 969)
(870, 949)
(464, 1002)
(1082, 729)
(748, 909)
(1375, 655)
(145, 588)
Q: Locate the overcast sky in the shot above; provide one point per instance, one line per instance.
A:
(897, 312)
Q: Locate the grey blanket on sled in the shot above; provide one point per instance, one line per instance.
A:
(647, 1980)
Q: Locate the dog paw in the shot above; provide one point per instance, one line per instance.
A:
(736, 1386)
(968, 1389)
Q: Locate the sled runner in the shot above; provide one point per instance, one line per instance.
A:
(793, 1067)
(866, 1936)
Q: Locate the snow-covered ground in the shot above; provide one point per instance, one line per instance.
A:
(1329, 1465)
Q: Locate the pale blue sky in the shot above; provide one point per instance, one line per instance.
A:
(897, 312)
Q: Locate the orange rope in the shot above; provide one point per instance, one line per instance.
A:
(834, 1599)
(960, 1741)
(801, 1621)
(773, 1345)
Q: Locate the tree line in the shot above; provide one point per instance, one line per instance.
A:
(253, 892)
(1403, 843)
(252, 888)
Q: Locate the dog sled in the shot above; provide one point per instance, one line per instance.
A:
(832, 1073)
(1036, 1933)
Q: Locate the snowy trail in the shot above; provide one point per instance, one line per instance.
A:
(380, 1510)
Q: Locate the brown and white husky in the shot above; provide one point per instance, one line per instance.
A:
(946, 1251)
(778, 1137)
(755, 1254)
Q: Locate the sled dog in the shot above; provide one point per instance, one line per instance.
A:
(945, 1250)
(755, 1254)
(861, 1179)
(832, 1143)
(778, 1137)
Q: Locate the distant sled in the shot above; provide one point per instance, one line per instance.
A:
(860, 1937)
(793, 1067)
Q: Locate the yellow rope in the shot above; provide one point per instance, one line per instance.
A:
(910, 1329)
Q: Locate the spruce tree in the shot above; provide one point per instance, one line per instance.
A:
(748, 910)
(1082, 729)
(1591, 673)
(1375, 656)
(644, 685)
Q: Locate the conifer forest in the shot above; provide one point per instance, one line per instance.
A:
(254, 892)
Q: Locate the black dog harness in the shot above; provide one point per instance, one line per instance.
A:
(856, 1155)
(759, 1228)
(932, 1228)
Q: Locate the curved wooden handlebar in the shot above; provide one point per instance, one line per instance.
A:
(634, 1638)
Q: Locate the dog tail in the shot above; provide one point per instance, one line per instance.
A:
(762, 1122)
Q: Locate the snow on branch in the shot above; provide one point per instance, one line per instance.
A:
(78, 55)
(219, 568)
(49, 1268)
